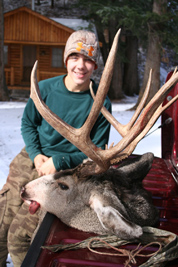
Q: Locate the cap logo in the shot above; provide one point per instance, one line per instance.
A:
(80, 46)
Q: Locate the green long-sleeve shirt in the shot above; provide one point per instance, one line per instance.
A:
(73, 108)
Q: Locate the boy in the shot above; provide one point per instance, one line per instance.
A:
(46, 151)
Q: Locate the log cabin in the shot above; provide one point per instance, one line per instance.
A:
(30, 36)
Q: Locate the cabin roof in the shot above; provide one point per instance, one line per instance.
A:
(36, 14)
(23, 25)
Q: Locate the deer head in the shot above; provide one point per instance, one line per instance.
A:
(141, 122)
(113, 202)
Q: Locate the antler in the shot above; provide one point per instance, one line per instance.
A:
(132, 133)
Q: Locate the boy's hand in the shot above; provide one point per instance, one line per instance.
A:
(44, 165)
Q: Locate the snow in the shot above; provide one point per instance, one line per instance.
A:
(11, 141)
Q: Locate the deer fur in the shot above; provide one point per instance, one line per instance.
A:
(113, 202)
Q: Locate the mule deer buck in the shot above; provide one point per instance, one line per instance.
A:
(95, 196)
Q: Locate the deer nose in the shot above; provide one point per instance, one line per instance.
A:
(22, 189)
(22, 192)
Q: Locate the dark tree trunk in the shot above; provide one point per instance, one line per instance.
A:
(52, 3)
(115, 91)
(130, 79)
(153, 54)
(104, 47)
(152, 62)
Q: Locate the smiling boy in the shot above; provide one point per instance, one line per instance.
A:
(46, 151)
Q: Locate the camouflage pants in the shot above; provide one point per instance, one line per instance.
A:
(16, 223)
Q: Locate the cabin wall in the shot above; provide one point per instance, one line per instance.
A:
(44, 63)
(13, 68)
(15, 61)
(16, 68)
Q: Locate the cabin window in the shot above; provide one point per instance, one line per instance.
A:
(5, 54)
(57, 57)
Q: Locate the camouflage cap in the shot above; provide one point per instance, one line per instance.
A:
(82, 42)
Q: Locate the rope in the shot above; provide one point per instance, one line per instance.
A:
(125, 253)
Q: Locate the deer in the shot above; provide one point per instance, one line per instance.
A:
(104, 194)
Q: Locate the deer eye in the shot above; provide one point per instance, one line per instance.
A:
(63, 186)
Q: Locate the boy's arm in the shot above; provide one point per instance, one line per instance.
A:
(31, 119)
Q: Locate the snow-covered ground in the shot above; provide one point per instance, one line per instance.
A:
(11, 141)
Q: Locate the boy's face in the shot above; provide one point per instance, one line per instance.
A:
(80, 69)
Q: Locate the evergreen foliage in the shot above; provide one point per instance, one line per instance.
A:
(135, 18)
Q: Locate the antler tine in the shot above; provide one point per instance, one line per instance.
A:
(102, 88)
(142, 102)
(175, 70)
(121, 128)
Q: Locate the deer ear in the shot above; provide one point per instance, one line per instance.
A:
(136, 168)
(113, 221)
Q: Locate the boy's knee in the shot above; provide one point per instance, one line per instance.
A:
(20, 233)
